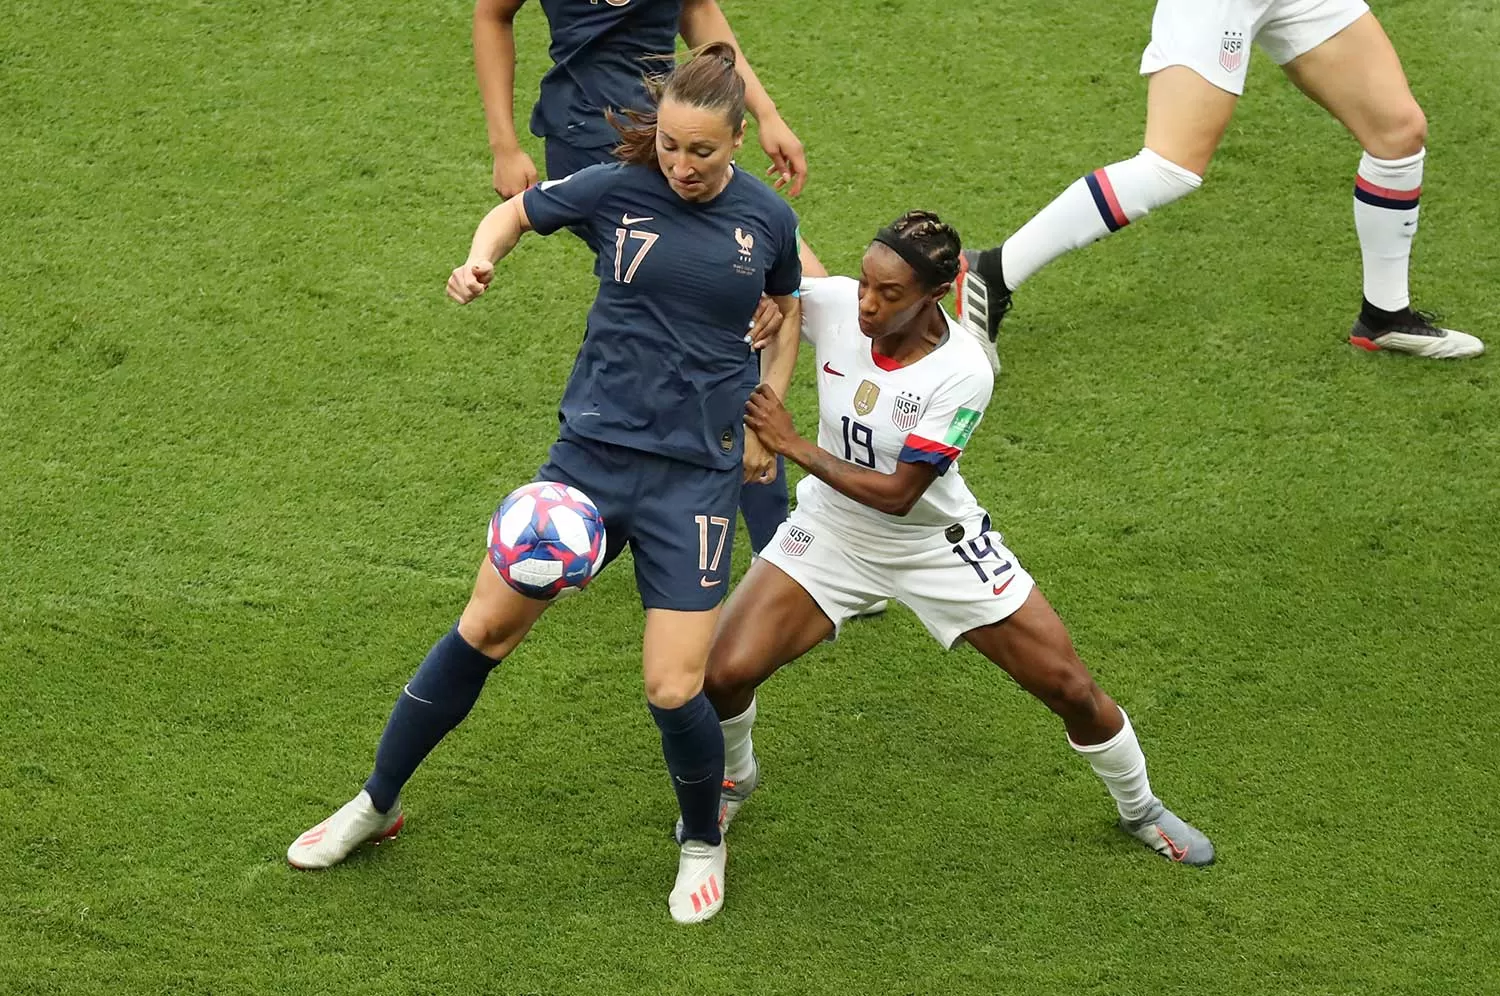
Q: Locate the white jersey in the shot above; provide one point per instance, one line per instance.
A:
(877, 416)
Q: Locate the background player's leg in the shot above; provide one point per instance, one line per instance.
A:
(764, 507)
(1185, 119)
(432, 703)
(1357, 76)
(770, 621)
(1034, 648)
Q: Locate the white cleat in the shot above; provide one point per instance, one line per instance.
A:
(1417, 336)
(873, 609)
(699, 892)
(356, 822)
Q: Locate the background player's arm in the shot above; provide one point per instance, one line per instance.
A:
(894, 494)
(495, 68)
(812, 266)
(495, 237)
(702, 22)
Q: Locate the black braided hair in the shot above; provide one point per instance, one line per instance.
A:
(934, 238)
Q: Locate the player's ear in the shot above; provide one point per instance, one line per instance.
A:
(938, 293)
(739, 134)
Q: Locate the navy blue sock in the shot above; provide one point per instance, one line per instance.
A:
(764, 507)
(693, 745)
(436, 700)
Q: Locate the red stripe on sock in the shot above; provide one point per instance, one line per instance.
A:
(1386, 192)
(1108, 190)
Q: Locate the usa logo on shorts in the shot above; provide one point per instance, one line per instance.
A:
(904, 411)
(1232, 51)
(796, 542)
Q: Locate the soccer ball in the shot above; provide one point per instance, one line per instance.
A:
(546, 540)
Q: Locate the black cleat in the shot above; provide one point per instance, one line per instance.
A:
(983, 298)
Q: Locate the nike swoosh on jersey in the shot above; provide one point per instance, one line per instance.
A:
(829, 370)
(627, 220)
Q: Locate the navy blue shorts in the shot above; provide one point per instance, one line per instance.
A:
(565, 160)
(678, 518)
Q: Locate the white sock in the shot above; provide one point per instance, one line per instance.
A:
(1386, 194)
(739, 751)
(1120, 763)
(1105, 201)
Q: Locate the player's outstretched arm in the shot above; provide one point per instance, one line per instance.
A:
(703, 22)
(493, 240)
(495, 68)
(894, 494)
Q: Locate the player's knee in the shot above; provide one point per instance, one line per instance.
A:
(1138, 186)
(1072, 693)
(1401, 133)
(671, 689)
(731, 672)
(492, 633)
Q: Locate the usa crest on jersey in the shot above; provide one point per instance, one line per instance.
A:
(1232, 51)
(905, 411)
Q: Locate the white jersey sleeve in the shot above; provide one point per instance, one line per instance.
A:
(826, 301)
(949, 420)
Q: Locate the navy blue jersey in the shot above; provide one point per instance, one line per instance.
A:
(601, 51)
(664, 367)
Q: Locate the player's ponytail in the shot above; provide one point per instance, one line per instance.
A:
(930, 246)
(707, 79)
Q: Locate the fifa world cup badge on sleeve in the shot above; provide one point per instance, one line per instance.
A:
(965, 421)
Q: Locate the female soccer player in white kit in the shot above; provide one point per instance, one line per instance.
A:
(884, 513)
(1337, 53)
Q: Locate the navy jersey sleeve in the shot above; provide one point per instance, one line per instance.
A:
(571, 200)
(785, 273)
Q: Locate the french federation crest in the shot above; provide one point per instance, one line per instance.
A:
(1232, 51)
(865, 397)
(796, 542)
(904, 411)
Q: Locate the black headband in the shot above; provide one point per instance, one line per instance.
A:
(932, 274)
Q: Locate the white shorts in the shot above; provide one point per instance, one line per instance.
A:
(1212, 37)
(954, 581)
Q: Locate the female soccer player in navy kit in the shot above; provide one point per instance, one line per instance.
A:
(885, 513)
(652, 431)
(601, 54)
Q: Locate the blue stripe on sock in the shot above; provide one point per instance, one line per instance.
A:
(1101, 203)
(1375, 200)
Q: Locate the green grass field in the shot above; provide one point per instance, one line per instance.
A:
(247, 453)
